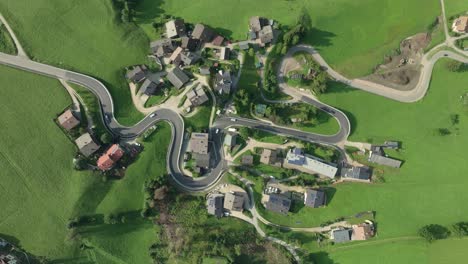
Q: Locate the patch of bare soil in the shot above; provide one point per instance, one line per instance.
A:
(401, 70)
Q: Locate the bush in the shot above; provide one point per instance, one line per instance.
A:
(460, 229)
(433, 232)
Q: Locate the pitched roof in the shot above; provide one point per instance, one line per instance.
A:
(204, 70)
(218, 41)
(215, 205)
(382, 160)
(247, 160)
(266, 34)
(268, 156)
(203, 33)
(223, 82)
(230, 139)
(256, 23)
(136, 74)
(199, 143)
(362, 232)
(177, 77)
(108, 159)
(67, 120)
(189, 58)
(278, 203)
(86, 144)
(314, 198)
(148, 87)
(161, 47)
(460, 24)
(176, 54)
(341, 235)
(234, 201)
(309, 163)
(189, 43)
(357, 173)
(202, 160)
(175, 28)
(224, 54)
(197, 96)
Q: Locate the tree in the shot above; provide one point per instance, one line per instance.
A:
(295, 40)
(106, 138)
(460, 229)
(433, 232)
(251, 52)
(245, 132)
(454, 66)
(443, 131)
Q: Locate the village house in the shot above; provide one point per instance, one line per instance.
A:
(356, 173)
(234, 201)
(189, 44)
(362, 231)
(108, 159)
(224, 53)
(392, 144)
(266, 35)
(67, 120)
(203, 33)
(295, 159)
(162, 48)
(268, 157)
(256, 23)
(149, 87)
(230, 140)
(218, 41)
(198, 145)
(175, 56)
(244, 45)
(215, 204)
(247, 160)
(278, 203)
(177, 77)
(223, 82)
(86, 144)
(385, 161)
(197, 96)
(340, 235)
(175, 28)
(314, 198)
(189, 58)
(460, 25)
(136, 73)
(204, 70)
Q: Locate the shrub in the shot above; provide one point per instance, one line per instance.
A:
(433, 232)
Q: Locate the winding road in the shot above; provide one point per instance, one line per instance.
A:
(174, 159)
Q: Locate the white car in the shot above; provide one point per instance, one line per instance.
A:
(233, 119)
(153, 115)
(217, 131)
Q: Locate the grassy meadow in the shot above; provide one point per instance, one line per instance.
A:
(455, 7)
(6, 42)
(345, 31)
(82, 36)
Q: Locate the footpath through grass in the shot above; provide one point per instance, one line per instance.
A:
(373, 27)
(83, 36)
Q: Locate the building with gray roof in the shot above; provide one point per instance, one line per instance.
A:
(197, 96)
(86, 144)
(136, 73)
(162, 47)
(385, 161)
(230, 140)
(215, 204)
(224, 53)
(199, 143)
(266, 35)
(314, 198)
(177, 77)
(341, 235)
(247, 160)
(356, 173)
(256, 23)
(268, 156)
(189, 58)
(278, 203)
(149, 87)
(190, 44)
(295, 159)
(223, 82)
(234, 201)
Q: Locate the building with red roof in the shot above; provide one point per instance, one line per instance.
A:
(112, 155)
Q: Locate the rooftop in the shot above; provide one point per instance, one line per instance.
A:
(310, 163)
(67, 120)
(199, 143)
(278, 203)
(234, 201)
(314, 198)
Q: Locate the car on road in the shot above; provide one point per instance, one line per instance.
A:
(107, 117)
(217, 131)
(233, 119)
(231, 129)
(153, 115)
(446, 55)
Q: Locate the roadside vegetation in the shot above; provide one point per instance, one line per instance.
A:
(200, 119)
(6, 42)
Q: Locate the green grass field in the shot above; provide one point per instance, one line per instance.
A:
(342, 33)
(200, 120)
(6, 42)
(81, 36)
(40, 189)
(455, 7)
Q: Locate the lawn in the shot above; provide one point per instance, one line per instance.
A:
(405, 250)
(6, 42)
(373, 27)
(406, 201)
(200, 120)
(40, 189)
(82, 36)
(455, 7)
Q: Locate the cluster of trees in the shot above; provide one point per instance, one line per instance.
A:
(127, 9)
(290, 38)
(434, 232)
(281, 114)
(149, 189)
(456, 66)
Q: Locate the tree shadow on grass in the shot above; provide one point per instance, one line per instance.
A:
(320, 258)
(148, 11)
(319, 38)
